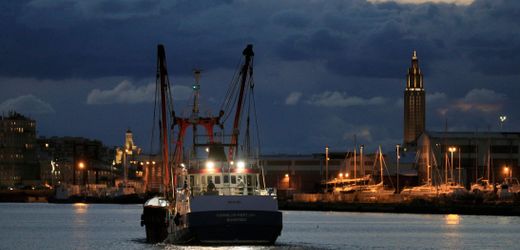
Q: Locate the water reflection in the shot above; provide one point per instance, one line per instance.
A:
(80, 208)
(452, 219)
(452, 231)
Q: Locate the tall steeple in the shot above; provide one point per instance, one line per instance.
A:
(414, 103)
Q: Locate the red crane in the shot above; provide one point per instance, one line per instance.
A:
(248, 54)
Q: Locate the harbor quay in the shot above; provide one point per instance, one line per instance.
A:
(470, 204)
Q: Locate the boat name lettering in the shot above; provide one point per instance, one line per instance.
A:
(242, 215)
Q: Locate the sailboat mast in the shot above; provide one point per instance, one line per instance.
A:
(162, 74)
(488, 163)
(355, 163)
(446, 167)
(381, 164)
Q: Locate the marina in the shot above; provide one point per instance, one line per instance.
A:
(329, 124)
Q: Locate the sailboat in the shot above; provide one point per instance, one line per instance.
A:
(427, 189)
(484, 185)
(216, 193)
(450, 187)
(362, 185)
(378, 188)
(345, 184)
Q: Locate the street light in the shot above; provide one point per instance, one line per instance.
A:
(502, 118)
(82, 166)
(326, 167)
(398, 157)
(452, 150)
(340, 175)
(506, 172)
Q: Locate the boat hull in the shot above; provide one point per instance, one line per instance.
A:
(229, 228)
(154, 219)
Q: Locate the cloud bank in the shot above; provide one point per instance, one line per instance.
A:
(459, 2)
(27, 104)
(339, 99)
(293, 98)
(127, 93)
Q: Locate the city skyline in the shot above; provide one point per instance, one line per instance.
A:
(325, 71)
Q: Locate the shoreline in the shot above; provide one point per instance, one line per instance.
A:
(414, 207)
(439, 205)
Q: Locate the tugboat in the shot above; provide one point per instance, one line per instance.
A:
(215, 193)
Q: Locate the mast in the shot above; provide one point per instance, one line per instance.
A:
(381, 164)
(248, 54)
(195, 111)
(355, 162)
(162, 74)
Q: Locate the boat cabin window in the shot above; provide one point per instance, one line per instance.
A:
(233, 179)
(226, 179)
(210, 179)
(217, 179)
(249, 182)
(203, 180)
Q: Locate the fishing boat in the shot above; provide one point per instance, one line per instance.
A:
(215, 192)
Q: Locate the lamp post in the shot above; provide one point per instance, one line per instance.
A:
(506, 172)
(398, 156)
(326, 167)
(361, 163)
(452, 149)
(460, 169)
(82, 167)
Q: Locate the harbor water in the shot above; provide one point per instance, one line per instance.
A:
(102, 226)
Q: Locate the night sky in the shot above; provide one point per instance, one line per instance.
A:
(324, 70)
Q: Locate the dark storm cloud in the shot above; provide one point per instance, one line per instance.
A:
(353, 38)
(304, 49)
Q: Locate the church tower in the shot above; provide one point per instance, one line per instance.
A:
(414, 104)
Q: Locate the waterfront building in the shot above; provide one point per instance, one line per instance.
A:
(18, 159)
(76, 161)
(126, 159)
(414, 104)
(474, 152)
(150, 171)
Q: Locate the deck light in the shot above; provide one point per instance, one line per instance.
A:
(210, 165)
